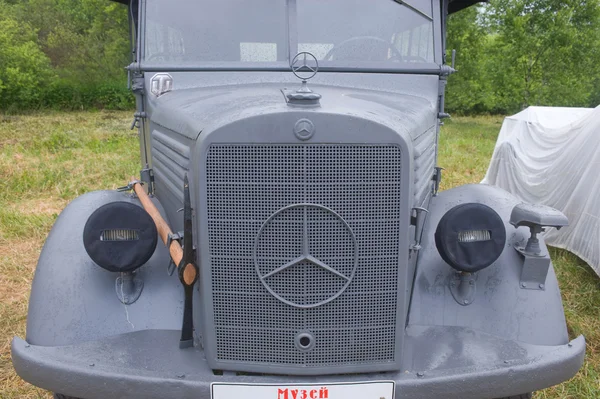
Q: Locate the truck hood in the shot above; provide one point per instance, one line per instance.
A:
(192, 111)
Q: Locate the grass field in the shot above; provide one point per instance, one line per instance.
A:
(48, 159)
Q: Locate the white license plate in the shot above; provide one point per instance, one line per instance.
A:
(355, 390)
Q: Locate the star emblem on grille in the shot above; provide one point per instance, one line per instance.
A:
(304, 129)
(306, 280)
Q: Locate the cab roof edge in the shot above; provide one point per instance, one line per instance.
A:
(457, 5)
(453, 5)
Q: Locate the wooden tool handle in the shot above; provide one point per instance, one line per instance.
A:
(175, 250)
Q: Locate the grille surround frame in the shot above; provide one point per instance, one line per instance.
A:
(236, 346)
(205, 311)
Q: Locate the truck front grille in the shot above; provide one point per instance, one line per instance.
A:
(304, 242)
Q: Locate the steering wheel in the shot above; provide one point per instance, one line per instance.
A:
(352, 41)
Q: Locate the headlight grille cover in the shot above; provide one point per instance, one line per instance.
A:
(474, 235)
(120, 235)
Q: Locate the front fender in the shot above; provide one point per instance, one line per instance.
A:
(501, 307)
(73, 300)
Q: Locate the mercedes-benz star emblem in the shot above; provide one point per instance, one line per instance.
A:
(305, 255)
(302, 65)
(304, 129)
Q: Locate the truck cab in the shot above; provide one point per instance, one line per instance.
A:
(300, 140)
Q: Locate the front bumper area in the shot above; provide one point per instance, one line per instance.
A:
(448, 362)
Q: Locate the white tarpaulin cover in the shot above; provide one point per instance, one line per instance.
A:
(551, 156)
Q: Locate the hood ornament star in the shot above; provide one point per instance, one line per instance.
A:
(302, 66)
(305, 66)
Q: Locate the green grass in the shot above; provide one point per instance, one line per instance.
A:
(48, 159)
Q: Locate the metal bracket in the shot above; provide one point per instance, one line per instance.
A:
(136, 120)
(137, 83)
(147, 176)
(174, 237)
(418, 221)
(129, 186)
(535, 269)
(463, 288)
(170, 238)
(437, 179)
(446, 70)
(129, 287)
(536, 260)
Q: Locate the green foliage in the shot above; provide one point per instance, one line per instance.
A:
(63, 54)
(517, 53)
(86, 40)
(24, 68)
(468, 37)
(69, 94)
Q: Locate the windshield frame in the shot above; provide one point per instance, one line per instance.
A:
(435, 67)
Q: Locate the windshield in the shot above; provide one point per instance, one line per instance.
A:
(340, 33)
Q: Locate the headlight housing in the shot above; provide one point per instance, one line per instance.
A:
(470, 237)
(120, 236)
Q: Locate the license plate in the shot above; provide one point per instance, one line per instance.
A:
(354, 390)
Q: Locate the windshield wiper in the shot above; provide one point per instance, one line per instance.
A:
(415, 9)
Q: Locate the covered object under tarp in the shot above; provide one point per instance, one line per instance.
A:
(551, 156)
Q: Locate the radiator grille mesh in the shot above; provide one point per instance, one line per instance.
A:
(270, 204)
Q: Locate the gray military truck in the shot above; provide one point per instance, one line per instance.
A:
(289, 167)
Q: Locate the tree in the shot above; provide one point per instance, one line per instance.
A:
(86, 40)
(468, 90)
(24, 68)
(544, 51)
(63, 54)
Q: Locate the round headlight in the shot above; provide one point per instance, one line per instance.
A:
(470, 237)
(120, 236)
